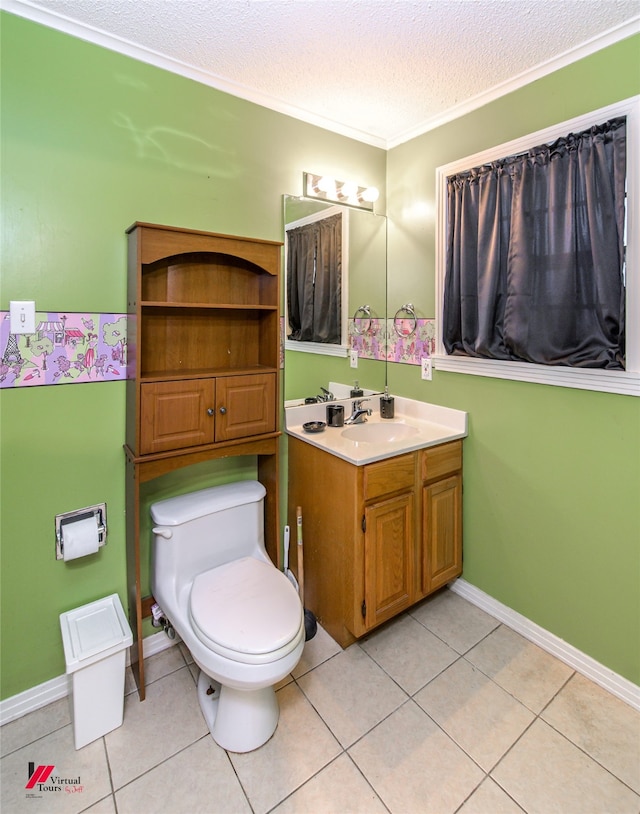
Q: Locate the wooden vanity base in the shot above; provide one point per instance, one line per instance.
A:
(377, 538)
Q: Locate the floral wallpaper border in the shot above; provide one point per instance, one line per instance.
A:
(67, 348)
(383, 342)
(76, 348)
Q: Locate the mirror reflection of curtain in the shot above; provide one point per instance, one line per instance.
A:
(536, 253)
(314, 281)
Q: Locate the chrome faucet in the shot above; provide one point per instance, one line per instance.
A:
(327, 395)
(359, 413)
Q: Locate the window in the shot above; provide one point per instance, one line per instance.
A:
(316, 283)
(510, 300)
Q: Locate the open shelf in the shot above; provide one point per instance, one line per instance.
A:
(208, 277)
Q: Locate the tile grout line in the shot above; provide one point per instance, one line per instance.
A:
(367, 781)
(109, 772)
(237, 776)
(410, 697)
(563, 735)
(169, 757)
(463, 656)
(314, 775)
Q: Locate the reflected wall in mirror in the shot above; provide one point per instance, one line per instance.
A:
(358, 283)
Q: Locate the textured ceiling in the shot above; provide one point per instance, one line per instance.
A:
(380, 70)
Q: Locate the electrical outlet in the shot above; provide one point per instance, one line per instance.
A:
(22, 314)
(426, 368)
(354, 358)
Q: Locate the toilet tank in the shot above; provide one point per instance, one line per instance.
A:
(207, 528)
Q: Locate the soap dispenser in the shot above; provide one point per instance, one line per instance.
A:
(386, 404)
(356, 391)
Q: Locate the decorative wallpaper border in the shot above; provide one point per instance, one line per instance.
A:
(67, 348)
(382, 342)
(76, 348)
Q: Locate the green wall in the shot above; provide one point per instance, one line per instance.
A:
(92, 141)
(551, 475)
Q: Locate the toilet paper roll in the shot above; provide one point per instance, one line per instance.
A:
(80, 538)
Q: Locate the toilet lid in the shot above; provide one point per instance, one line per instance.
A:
(245, 607)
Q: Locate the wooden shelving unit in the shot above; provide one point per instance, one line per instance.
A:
(203, 340)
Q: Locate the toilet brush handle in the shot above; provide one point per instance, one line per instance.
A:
(300, 555)
(286, 549)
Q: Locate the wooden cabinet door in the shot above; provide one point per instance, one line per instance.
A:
(389, 558)
(245, 406)
(441, 532)
(176, 414)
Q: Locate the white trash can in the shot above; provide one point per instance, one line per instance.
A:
(95, 638)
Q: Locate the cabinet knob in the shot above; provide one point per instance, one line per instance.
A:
(211, 411)
(223, 411)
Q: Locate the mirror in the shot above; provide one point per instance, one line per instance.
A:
(309, 366)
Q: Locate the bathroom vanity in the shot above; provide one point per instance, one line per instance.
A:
(204, 351)
(382, 513)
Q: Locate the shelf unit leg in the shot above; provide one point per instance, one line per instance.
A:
(133, 574)
(268, 475)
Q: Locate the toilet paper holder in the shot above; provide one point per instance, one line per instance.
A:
(100, 513)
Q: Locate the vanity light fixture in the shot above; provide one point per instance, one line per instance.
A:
(344, 192)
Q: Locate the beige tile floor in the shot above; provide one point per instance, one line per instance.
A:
(442, 710)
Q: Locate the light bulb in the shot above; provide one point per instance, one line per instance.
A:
(326, 183)
(349, 189)
(370, 194)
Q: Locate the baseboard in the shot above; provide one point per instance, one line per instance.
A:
(30, 700)
(585, 665)
(50, 691)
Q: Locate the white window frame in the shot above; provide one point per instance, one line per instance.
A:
(627, 381)
(324, 348)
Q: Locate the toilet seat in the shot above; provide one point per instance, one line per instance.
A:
(247, 611)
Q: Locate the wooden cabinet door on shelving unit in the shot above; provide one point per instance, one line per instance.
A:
(204, 353)
(245, 405)
(176, 415)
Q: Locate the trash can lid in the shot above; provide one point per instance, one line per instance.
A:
(93, 632)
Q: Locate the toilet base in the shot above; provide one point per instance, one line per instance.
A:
(239, 720)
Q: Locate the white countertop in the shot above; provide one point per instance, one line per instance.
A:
(434, 425)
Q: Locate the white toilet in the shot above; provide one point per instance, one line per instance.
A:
(240, 617)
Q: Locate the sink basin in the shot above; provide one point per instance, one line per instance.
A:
(379, 433)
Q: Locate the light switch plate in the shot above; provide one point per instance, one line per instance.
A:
(22, 316)
(426, 368)
(354, 358)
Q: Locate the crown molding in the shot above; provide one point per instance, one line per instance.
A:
(23, 8)
(127, 48)
(610, 37)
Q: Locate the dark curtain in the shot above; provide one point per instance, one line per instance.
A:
(301, 254)
(535, 254)
(314, 281)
